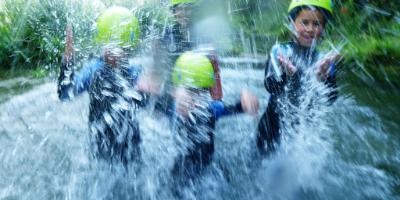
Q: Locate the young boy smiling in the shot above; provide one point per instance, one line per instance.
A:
(288, 63)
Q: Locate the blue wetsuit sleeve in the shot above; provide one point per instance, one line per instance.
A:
(219, 109)
(134, 72)
(332, 70)
(83, 78)
(71, 84)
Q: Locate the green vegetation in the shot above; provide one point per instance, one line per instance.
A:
(373, 49)
(263, 22)
(32, 32)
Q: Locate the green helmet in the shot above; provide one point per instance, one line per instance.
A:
(118, 25)
(176, 2)
(325, 4)
(193, 70)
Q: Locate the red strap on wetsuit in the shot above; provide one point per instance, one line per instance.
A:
(216, 90)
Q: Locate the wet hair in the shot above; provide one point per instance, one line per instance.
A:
(295, 12)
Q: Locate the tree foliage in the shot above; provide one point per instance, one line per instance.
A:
(32, 32)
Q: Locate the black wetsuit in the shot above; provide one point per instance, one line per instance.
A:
(268, 135)
(195, 136)
(114, 129)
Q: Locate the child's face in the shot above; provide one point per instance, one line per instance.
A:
(183, 14)
(114, 55)
(309, 26)
(187, 100)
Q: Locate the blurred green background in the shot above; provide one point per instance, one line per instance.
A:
(32, 32)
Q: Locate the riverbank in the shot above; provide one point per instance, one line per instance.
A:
(14, 82)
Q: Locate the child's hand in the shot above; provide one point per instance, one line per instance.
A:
(287, 65)
(322, 69)
(183, 101)
(249, 102)
(69, 43)
(150, 84)
(324, 64)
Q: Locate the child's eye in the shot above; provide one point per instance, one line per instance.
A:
(304, 22)
(317, 24)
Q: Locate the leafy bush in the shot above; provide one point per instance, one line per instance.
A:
(32, 32)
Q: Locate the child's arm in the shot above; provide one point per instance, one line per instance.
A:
(326, 66)
(273, 86)
(248, 103)
(219, 109)
(330, 81)
(326, 72)
(149, 85)
(69, 84)
(279, 67)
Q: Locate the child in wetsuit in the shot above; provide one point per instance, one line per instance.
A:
(178, 38)
(195, 113)
(112, 86)
(288, 63)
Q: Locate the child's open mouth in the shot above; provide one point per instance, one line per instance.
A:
(308, 38)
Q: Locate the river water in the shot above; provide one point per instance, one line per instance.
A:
(348, 150)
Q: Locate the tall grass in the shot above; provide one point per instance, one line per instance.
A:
(32, 32)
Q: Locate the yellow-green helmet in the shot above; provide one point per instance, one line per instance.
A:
(176, 2)
(193, 70)
(325, 4)
(118, 25)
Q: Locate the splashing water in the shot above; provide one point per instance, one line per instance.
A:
(45, 153)
(347, 150)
